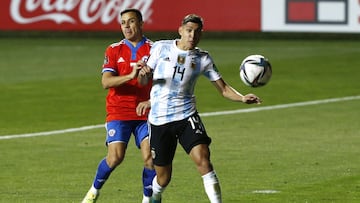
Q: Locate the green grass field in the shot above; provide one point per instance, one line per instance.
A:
(307, 154)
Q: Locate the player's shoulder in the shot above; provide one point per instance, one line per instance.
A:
(200, 51)
(163, 43)
(148, 41)
(116, 44)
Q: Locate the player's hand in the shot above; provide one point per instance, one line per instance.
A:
(135, 71)
(145, 73)
(251, 99)
(144, 69)
(142, 108)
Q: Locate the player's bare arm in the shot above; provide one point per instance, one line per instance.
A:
(110, 80)
(230, 93)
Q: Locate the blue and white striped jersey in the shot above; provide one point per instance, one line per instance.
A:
(175, 73)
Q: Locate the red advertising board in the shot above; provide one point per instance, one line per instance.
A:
(100, 15)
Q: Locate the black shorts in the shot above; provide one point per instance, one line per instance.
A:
(163, 139)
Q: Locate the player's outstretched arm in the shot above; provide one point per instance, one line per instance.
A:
(230, 93)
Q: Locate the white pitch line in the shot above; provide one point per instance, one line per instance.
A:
(54, 132)
(265, 191)
(281, 106)
(254, 109)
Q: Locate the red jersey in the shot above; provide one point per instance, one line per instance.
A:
(121, 101)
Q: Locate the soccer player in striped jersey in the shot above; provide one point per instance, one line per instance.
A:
(174, 67)
(127, 104)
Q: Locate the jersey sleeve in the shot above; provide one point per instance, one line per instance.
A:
(210, 71)
(154, 55)
(109, 61)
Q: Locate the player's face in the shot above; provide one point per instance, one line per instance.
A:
(131, 27)
(190, 35)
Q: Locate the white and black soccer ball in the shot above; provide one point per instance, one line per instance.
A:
(255, 71)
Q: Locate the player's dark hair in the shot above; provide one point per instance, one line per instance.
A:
(136, 11)
(194, 19)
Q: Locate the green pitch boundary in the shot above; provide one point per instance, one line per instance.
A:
(248, 110)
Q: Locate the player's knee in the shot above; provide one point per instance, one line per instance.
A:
(204, 166)
(148, 164)
(163, 181)
(114, 161)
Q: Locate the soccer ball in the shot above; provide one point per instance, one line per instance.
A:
(255, 71)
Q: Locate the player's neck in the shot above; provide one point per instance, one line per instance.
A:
(182, 46)
(134, 42)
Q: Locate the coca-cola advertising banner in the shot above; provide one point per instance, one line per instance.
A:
(103, 15)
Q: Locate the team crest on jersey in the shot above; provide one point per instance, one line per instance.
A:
(106, 60)
(145, 58)
(181, 59)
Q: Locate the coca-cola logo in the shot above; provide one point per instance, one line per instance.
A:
(88, 11)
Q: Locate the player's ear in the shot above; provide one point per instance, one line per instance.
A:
(180, 30)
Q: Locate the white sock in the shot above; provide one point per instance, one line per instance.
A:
(212, 187)
(94, 190)
(157, 189)
(145, 199)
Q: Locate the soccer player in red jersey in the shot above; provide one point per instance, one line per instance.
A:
(126, 103)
